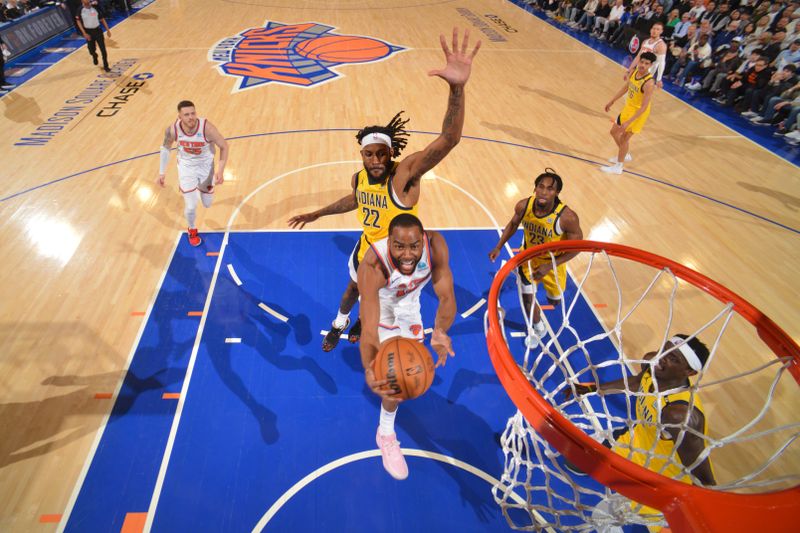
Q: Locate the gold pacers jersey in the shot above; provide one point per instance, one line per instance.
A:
(377, 207)
(541, 230)
(644, 435)
(635, 93)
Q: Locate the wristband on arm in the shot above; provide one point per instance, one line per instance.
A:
(163, 160)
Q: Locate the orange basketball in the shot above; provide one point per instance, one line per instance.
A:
(343, 49)
(406, 364)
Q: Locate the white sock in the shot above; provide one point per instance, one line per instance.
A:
(341, 320)
(386, 426)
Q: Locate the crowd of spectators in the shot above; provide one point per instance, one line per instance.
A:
(14, 9)
(744, 54)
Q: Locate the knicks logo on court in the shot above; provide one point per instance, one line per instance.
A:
(302, 55)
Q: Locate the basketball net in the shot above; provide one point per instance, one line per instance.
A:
(558, 499)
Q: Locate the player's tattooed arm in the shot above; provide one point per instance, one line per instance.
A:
(169, 139)
(456, 73)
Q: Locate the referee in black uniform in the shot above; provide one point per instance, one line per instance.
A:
(89, 19)
(4, 87)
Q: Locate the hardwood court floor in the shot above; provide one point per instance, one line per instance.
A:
(86, 234)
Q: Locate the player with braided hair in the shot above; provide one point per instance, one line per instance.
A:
(385, 188)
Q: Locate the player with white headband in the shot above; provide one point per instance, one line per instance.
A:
(385, 187)
(669, 416)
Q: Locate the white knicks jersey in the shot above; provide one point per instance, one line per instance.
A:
(650, 46)
(403, 290)
(194, 150)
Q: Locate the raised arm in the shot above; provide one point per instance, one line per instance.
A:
(213, 135)
(626, 384)
(342, 205)
(691, 445)
(166, 145)
(370, 280)
(442, 278)
(456, 73)
(511, 227)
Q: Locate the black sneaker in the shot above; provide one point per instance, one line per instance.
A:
(94, 59)
(355, 332)
(332, 337)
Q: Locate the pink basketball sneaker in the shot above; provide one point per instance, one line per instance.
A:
(393, 460)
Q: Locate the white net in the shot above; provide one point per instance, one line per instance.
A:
(748, 427)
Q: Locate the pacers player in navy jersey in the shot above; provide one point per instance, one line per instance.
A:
(386, 188)
(544, 219)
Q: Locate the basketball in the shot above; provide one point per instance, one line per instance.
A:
(343, 49)
(406, 364)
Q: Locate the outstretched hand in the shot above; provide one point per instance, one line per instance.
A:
(580, 389)
(459, 61)
(299, 221)
(442, 345)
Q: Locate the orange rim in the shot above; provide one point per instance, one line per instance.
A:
(687, 508)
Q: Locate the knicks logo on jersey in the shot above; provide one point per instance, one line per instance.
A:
(633, 45)
(302, 55)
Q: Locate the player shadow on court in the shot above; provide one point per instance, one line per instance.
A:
(788, 201)
(280, 210)
(21, 109)
(144, 16)
(43, 426)
(540, 142)
(574, 105)
(264, 335)
(38, 427)
(437, 425)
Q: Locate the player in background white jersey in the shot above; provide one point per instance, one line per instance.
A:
(655, 45)
(196, 138)
(390, 280)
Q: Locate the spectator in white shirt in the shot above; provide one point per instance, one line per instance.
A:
(610, 22)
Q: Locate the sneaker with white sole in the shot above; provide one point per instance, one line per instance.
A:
(628, 158)
(612, 169)
(393, 460)
(535, 337)
(749, 114)
(696, 86)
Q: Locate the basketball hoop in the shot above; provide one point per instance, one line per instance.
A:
(555, 429)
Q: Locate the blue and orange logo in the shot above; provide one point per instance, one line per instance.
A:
(302, 54)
